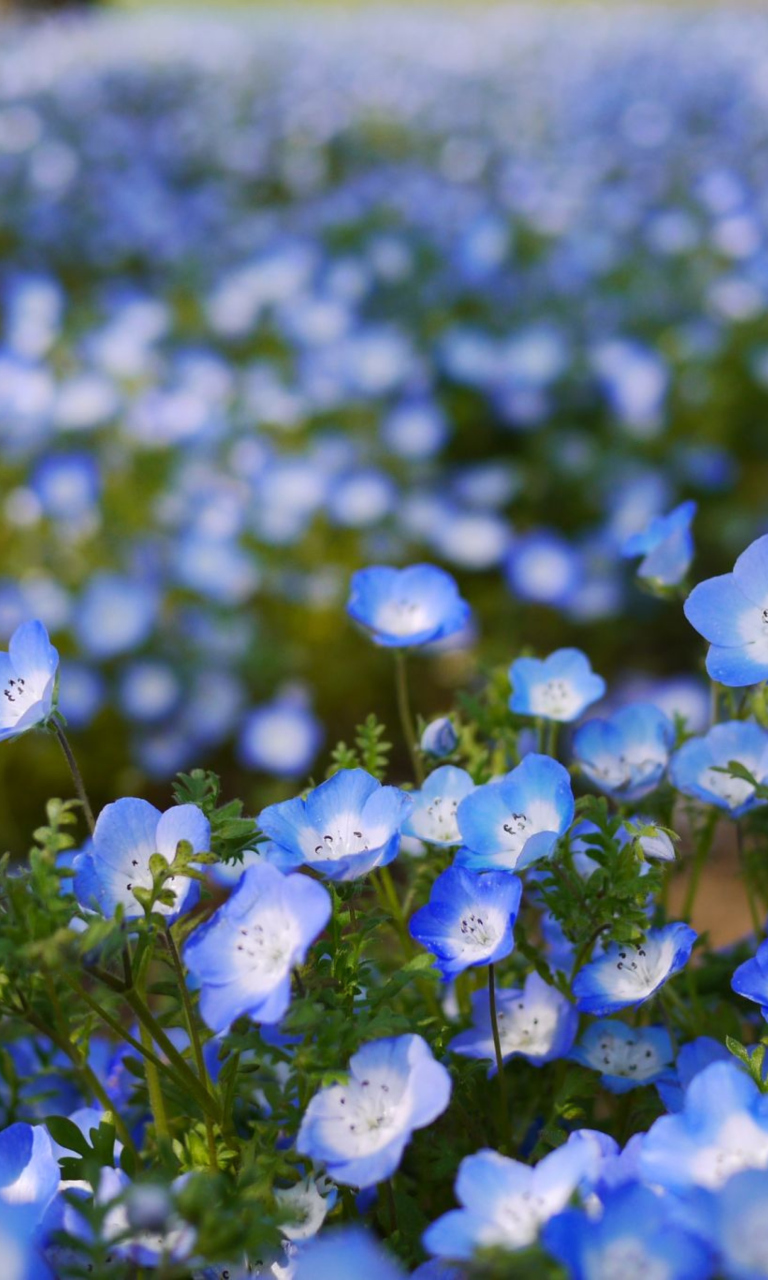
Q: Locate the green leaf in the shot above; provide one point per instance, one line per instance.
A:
(67, 1134)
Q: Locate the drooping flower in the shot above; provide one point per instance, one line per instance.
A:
(514, 820)
(505, 1203)
(439, 738)
(666, 546)
(731, 611)
(243, 956)
(536, 1022)
(401, 608)
(627, 975)
(626, 754)
(469, 919)
(27, 679)
(700, 767)
(559, 687)
(750, 980)
(625, 1056)
(345, 827)
(360, 1129)
(636, 1237)
(128, 833)
(433, 816)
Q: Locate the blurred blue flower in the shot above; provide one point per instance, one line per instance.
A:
(116, 614)
(439, 738)
(700, 767)
(731, 611)
(280, 737)
(544, 568)
(625, 755)
(407, 607)
(559, 687)
(537, 1022)
(666, 546)
(346, 1253)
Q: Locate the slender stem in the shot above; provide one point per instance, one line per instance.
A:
(754, 912)
(503, 1099)
(194, 1038)
(77, 777)
(551, 728)
(406, 718)
(180, 1067)
(705, 844)
(389, 893)
(152, 1073)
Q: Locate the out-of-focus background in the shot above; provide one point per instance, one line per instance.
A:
(284, 293)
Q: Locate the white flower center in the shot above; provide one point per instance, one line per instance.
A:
(633, 1059)
(625, 1259)
(370, 1112)
(740, 1144)
(435, 822)
(555, 698)
(480, 933)
(734, 791)
(517, 829)
(402, 618)
(639, 970)
(516, 1221)
(19, 695)
(266, 944)
(339, 842)
(524, 1029)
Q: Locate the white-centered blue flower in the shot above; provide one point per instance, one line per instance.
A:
(536, 1022)
(345, 827)
(433, 816)
(559, 687)
(731, 611)
(626, 754)
(469, 918)
(666, 546)
(400, 608)
(116, 861)
(750, 980)
(348, 1253)
(505, 1203)
(27, 680)
(735, 1220)
(625, 1056)
(242, 958)
(359, 1130)
(627, 975)
(29, 1171)
(700, 767)
(512, 821)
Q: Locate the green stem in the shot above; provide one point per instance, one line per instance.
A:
(154, 1087)
(550, 734)
(77, 777)
(180, 1067)
(194, 1038)
(700, 858)
(754, 912)
(406, 718)
(503, 1099)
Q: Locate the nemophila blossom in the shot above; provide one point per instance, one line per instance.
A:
(626, 754)
(440, 738)
(27, 679)
(29, 1171)
(750, 980)
(666, 546)
(691, 1059)
(512, 821)
(348, 1253)
(306, 1206)
(735, 1221)
(345, 827)
(469, 919)
(433, 816)
(635, 1237)
(544, 568)
(116, 861)
(505, 1203)
(360, 1129)
(242, 958)
(731, 611)
(700, 767)
(559, 687)
(407, 607)
(627, 975)
(281, 737)
(20, 1249)
(535, 1022)
(625, 1056)
(115, 614)
(722, 1129)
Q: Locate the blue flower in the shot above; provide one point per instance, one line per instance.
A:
(282, 738)
(731, 611)
(722, 1129)
(625, 1056)
(736, 1223)
(29, 1171)
(345, 827)
(469, 918)
(407, 607)
(19, 1247)
(691, 1059)
(348, 1253)
(544, 568)
(627, 975)
(116, 614)
(242, 957)
(751, 979)
(695, 767)
(433, 816)
(636, 1235)
(514, 820)
(360, 1129)
(559, 687)
(505, 1203)
(626, 754)
(666, 545)
(27, 679)
(440, 738)
(537, 1022)
(116, 862)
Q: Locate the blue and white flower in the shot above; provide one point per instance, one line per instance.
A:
(359, 1130)
(750, 980)
(439, 738)
(691, 1059)
(433, 816)
(345, 827)
(27, 679)
(407, 607)
(700, 767)
(282, 738)
(731, 611)
(512, 821)
(242, 958)
(626, 975)
(128, 833)
(736, 1222)
(626, 754)
(469, 918)
(29, 1171)
(345, 1254)
(559, 687)
(666, 546)
(625, 1056)
(536, 1022)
